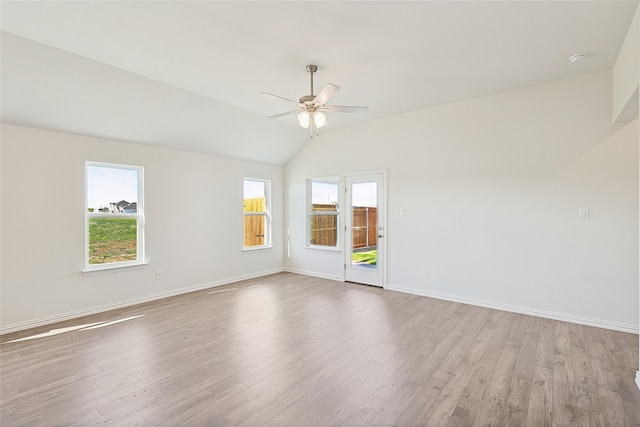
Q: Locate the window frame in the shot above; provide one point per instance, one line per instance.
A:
(138, 215)
(309, 214)
(266, 215)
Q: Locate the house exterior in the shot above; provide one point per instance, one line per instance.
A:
(123, 207)
(130, 208)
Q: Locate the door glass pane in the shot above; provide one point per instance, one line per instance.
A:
(364, 224)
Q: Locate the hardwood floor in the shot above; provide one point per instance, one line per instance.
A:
(301, 351)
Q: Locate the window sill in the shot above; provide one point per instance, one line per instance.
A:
(114, 269)
(323, 248)
(257, 249)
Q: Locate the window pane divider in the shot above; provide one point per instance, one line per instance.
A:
(113, 215)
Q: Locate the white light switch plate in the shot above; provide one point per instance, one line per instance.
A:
(583, 213)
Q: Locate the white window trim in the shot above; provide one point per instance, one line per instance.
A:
(139, 215)
(326, 180)
(114, 267)
(267, 215)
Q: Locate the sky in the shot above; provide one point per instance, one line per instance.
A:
(323, 193)
(107, 185)
(253, 189)
(363, 193)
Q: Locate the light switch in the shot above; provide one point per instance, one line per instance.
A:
(583, 213)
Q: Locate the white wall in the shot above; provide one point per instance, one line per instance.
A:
(626, 78)
(625, 74)
(492, 187)
(193, 225)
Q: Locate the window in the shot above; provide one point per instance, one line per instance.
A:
(114, 215)
(257, 216)
(322, 213)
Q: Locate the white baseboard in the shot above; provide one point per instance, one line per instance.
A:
(598, 323)
(15, 327)
(313, 274)
(638, 378)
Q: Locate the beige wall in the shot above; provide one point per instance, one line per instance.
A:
(194, 228)
(492, 188)
(625, 75)
(626, 81)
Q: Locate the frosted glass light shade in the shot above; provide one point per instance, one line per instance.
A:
(304, 119)
(319, 119)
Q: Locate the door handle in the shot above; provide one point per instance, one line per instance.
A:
(380, 235)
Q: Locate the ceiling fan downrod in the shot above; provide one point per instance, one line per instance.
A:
(312, 69)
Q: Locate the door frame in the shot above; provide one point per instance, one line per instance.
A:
(382, 207)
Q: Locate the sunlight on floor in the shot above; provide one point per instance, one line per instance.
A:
(85, 327)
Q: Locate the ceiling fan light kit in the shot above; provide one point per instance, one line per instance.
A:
(304, 120)
(312, 106)
(319, 119)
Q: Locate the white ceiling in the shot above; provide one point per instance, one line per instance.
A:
(187, 75)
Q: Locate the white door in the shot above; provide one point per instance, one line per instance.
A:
(365, 233)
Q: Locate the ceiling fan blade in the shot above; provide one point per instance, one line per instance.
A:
(275, 116)
(344, 109)
(327, 92)
(280, 98)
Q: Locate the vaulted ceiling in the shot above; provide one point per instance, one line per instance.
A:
(188, 74)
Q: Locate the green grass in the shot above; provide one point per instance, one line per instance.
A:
(112, 240)
(369, 257)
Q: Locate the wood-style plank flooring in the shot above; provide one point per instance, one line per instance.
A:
(302, 351)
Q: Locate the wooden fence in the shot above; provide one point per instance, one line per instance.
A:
(324, 227)
(364, 227)
(364, 223)
(254, 225)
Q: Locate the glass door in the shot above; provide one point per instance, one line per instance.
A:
(364, 229)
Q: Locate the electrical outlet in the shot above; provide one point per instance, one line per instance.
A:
(425, 273)
(159, 275)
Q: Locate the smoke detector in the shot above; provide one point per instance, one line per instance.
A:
(577, 57)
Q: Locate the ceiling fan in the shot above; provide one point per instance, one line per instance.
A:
(311, 107)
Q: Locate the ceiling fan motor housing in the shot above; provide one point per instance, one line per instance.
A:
(307, 99)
